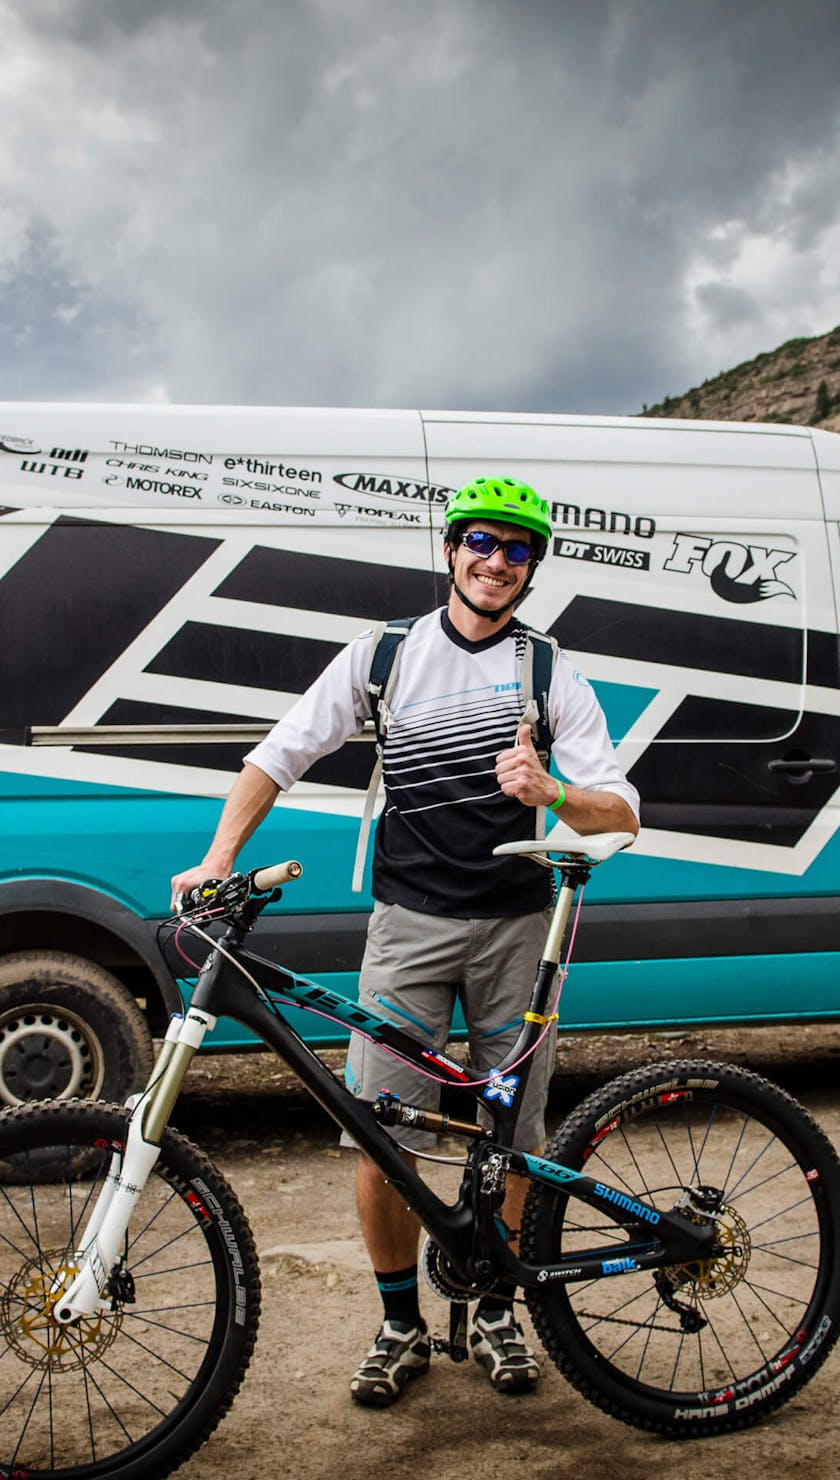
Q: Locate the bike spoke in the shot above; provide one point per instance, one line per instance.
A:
(801, 1202)
(174, 1330)
(784, 1171)
(665, 1146)
(153, 1274)
(28, 1419)
(190, 1232)
(697, 1156)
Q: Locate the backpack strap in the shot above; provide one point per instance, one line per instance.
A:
(538, 662)
(382, 678)
(537, 671)
(384, 668)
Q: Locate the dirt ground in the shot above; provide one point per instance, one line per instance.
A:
(294, 1416)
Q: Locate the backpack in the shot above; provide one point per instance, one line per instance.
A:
(537, 670)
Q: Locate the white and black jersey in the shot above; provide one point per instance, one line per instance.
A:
(455, 705)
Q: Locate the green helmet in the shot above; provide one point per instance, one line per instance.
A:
(504, 500)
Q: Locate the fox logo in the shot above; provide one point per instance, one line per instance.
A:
(739, 573)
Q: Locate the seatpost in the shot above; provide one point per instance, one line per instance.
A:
(572, 877)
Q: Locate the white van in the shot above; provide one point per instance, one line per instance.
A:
(171, 578)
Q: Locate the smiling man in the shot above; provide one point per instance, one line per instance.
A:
(450, 921)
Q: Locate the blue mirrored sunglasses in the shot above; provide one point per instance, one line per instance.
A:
(517, 552)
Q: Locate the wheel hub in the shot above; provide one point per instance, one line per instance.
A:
(29, 1324)
(45, 1054)
(712, 1278)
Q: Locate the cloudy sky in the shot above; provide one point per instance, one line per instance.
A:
(537, 205)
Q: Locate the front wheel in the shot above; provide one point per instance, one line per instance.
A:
(132, 1390)
(708, 1347)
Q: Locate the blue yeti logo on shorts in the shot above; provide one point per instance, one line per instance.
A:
(502, 1087)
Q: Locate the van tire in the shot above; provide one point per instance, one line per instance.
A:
(68, 1029)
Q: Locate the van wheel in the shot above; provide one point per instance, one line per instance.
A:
(68, 1029)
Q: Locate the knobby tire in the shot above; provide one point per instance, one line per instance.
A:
(693, 1350)
(134, 1391)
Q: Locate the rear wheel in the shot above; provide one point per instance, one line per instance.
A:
(711, 1346)
(134, 1389)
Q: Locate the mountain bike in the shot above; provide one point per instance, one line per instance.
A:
(678, 1248)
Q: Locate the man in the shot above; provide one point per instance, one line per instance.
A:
(461, 775)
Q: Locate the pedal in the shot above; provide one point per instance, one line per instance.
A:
(456, 1346)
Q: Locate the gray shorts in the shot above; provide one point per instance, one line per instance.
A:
(415, 967)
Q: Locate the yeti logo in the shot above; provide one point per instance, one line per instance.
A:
(736, 573)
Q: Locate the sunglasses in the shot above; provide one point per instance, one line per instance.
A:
(478, 542)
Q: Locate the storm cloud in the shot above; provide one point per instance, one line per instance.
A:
(499, 204)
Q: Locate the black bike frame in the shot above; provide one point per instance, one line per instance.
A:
(470, 1232)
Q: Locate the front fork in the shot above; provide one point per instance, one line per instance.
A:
(104, 1235)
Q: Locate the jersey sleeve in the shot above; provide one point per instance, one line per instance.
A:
(333, 708)
(582, 749)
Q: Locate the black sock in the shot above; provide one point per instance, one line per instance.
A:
(400, 1297)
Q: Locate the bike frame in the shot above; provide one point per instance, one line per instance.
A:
(470, 1232)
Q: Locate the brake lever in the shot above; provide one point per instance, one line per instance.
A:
(233, 898)
(205, 892)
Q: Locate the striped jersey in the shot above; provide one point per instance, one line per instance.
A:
(454, 706)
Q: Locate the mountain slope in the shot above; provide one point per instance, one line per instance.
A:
(799, 382)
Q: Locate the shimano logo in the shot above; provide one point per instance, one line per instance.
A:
(626, 1203)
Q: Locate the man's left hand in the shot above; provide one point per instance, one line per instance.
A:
(521, 774)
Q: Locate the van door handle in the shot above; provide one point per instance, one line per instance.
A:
(821, 767)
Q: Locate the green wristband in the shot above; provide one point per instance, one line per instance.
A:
(561, 797)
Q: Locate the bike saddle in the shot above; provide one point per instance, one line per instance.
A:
(562, 846)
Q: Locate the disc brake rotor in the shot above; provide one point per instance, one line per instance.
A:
(29, 1324)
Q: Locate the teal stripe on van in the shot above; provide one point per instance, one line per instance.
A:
(605, 996)
(622, 704)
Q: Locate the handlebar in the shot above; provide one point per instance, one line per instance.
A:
(263, 879)
(238, 890)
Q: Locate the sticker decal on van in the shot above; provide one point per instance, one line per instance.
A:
(394, 487)
(736, 572)
(570, 549)
(612, 521)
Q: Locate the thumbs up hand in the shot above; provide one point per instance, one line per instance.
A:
(520, 773)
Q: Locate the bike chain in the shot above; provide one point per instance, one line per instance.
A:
(594, 1315)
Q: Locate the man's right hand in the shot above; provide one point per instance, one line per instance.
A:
(182, 884)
